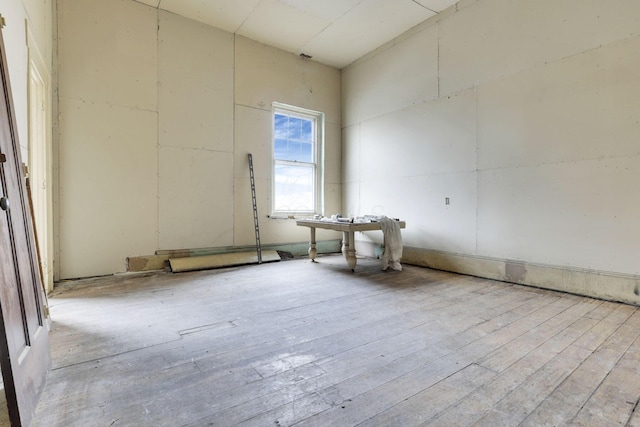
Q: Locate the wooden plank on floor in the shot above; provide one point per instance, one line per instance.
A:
(425, 404)
(473, 406)
(634, 419)
(617, 397)
(532, 391)
(509, 353)
(571, 396)
(180, 265)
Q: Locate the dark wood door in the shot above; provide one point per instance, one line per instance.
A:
(24, 342)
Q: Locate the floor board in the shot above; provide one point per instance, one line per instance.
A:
(313, 344)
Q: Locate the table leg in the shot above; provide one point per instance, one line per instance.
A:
(349, 249)
(312, 245)
(345, 243)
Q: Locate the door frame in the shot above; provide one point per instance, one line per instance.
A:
(40, 156)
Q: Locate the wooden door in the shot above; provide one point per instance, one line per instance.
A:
(24, 341)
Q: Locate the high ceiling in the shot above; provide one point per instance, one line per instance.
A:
(333, 32)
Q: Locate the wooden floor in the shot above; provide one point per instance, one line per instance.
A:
(297, 343)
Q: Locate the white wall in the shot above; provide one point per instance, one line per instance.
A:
(22, 16)
(158, 113)
(524, 114)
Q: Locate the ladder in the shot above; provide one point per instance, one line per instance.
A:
(255, 209)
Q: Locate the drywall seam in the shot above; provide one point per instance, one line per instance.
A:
(55, 141)
(477, 171)
(559, 162)
(158, 128)
(233, 136)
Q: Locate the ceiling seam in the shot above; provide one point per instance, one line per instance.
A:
(421, 5)
(331, 23)
(247, 17)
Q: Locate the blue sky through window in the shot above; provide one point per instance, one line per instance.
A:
(293, 138)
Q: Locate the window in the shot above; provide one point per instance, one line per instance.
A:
(297, 160)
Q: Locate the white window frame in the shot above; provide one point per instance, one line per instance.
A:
(318, 184)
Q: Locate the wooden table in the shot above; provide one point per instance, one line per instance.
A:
(348, 229)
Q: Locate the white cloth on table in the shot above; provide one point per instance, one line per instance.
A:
(392, 243)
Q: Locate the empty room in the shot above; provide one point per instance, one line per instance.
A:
(320, 213)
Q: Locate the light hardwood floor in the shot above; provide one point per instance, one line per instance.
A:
(317, 345)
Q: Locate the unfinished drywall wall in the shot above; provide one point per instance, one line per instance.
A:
(265, 75)
(22, 17)
(522, 147)
(108, 123)
(158, 113)
(195, 139)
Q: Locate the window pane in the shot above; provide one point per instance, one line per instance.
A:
(300, 152)
(307, 131)
(280, 149)
(306, 153)
(281, 126)
(294, 188)
(295, 128)
(294, 150)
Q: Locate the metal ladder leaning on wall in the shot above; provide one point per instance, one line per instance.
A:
(255, 209)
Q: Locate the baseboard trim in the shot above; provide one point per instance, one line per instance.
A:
(604, 285)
